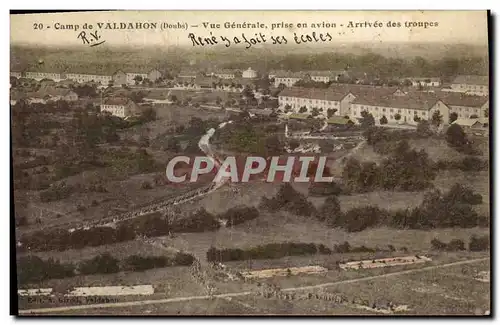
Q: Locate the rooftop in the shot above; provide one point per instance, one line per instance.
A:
(416, 101)
(471, 121)
(339, 120)
(117, 101)
(313, 93)
(471, 80)
(461, 99)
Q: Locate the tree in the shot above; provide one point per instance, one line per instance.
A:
(330, 210)
(383, 120)
(437, 119)
(173, 145)
(173, 98)
(293, 144)
(103, 263)
(407, 83)
(424, 128)
(397, 117)
(455, 136)
(453, 117)
(330, 112)
(137, 79)
(303, 109)
(218, 100)
(314, 111)
(367, 119)
(288, 108)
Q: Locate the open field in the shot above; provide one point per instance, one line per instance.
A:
(450, 291)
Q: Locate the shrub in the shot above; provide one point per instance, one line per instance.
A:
(268, 251)
(288, 199)
(56, 192)
(183, 259)
(146, 185)
(199, 221)
(358, 219)
(463, 194)
(456, 245)
(438, 245)
(101, 264)
(237, 215)
(22, 221)
(453, 245)
(32, 269)
(330, 210)
(345, 247)
(140, 263)
(477, 244)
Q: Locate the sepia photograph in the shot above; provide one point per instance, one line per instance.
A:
(250, 163)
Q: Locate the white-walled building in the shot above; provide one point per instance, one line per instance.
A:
(397, 109)
(425, 81)
(466, 106)
(472, 85)
(46, 94)
(44, 75)
(225, 74)
(320, 76)
(287, 78)
(154, 75)
(303, 100)
(16, 74)
(249, 74)
(120, 106)
(83, 77)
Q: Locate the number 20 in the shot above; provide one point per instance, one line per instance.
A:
(37, 26)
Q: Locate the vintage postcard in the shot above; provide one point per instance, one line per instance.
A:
(251, 163)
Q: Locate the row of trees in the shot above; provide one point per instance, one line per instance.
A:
(152, 226)
(438, 210)
(32, 269)
(476, 244)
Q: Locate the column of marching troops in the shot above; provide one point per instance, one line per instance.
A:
(270, 291)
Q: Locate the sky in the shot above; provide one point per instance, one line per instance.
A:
(453, 27)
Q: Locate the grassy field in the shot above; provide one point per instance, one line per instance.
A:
(447, 291)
